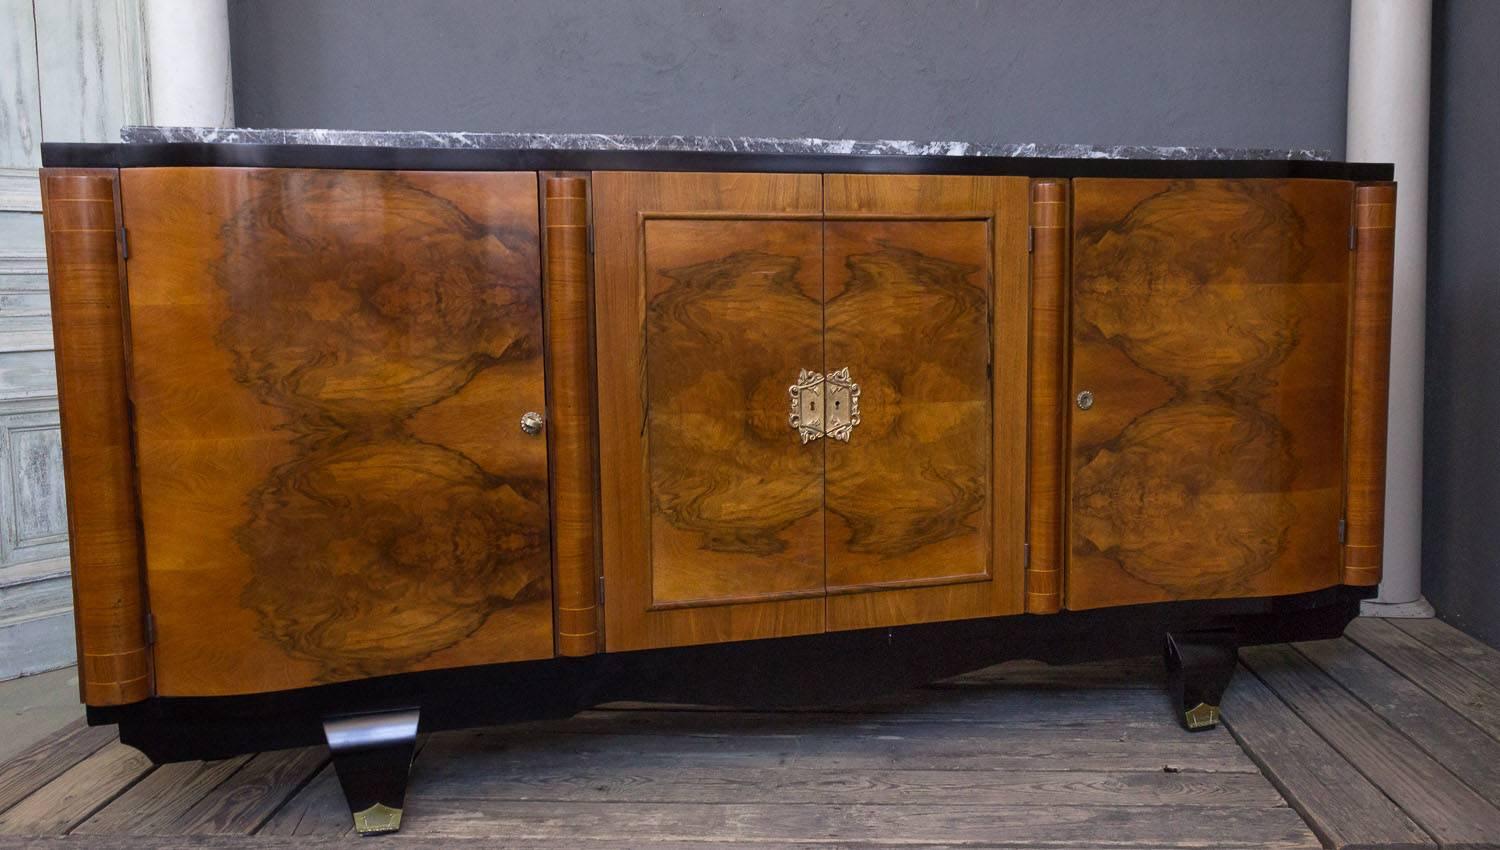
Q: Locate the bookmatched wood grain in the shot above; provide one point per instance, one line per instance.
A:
(733, 313)
(706, 284)
(570, 413)
(908, 313)
(328, 371)
(1208, 321)
(1049, 405)
(83, 261)
(1369, 381)
(926, 305)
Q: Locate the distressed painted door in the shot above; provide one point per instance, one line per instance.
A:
(328, 369)
(1208, 329)
(709, 303)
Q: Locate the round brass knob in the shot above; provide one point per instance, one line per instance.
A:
(1085, 400)
(531, 422)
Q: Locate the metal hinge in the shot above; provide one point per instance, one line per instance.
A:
(1353, 235)
(1025, 555)
(150, 628)
(600, 600)
(124, 243)
(591, 238)
(1343, 530)
(1030, 239)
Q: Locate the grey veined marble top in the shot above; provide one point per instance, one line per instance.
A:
(717, 144)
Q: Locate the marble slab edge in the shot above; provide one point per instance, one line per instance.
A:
(695, 144)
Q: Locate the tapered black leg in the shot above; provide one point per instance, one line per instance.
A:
(1199, 666)
(372, 755)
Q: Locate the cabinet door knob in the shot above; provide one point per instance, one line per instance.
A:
(531, 422)
(1085, 400)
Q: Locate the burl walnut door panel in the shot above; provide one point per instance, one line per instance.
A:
(734, 312)
(708, 293)
(1209, 321)
(908, 314)
(926, 301)
(327, 370)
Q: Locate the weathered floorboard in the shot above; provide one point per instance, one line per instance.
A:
(1066, 825)
(1339, 803)
(154, 804)
(1457, 744)
(249, 797)
(582, 782)
(258, 842)
(1136, 709)
(77, 793)
(1018, 749)
(1437, 800)
(48, 759)
(318, 809)
(1142, 672)
(1462, 690)
(1479, 658)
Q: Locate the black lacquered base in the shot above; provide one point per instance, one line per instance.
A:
(1199, 667)
(824, 669)
(372, 754)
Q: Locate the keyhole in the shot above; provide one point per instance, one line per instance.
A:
(836, 404)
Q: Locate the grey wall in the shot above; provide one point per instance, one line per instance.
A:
(1250, 74)
(1461, 490)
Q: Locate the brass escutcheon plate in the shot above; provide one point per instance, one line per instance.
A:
(841, 404)
(806, 417)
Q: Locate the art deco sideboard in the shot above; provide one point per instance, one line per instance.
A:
(366, 437)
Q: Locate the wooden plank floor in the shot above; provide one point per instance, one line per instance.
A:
(1389, 737)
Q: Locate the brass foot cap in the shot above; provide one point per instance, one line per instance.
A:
(377, 819)
(1202, 716)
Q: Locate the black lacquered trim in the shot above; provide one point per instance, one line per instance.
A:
(80, 155)
(809, 670)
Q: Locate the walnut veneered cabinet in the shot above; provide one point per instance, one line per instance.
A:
(803, 423)
(1209, 330)
(321, 363)
(490, 435)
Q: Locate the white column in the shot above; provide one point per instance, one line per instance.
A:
(1390, 67)
(187, 45)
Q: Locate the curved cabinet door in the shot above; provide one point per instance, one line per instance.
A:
(1209, 322)
(328, 370)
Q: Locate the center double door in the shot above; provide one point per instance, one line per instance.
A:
(811, 402)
